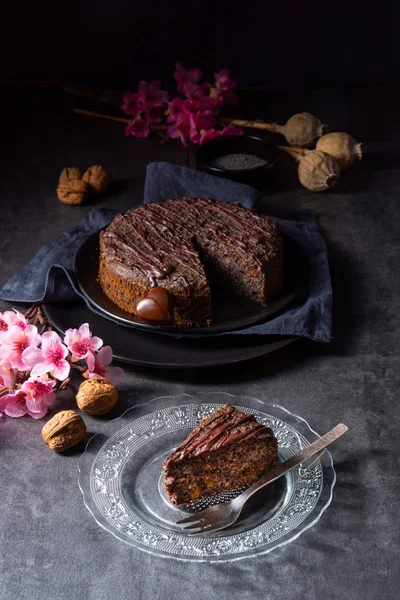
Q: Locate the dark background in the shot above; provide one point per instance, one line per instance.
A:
(115, 44)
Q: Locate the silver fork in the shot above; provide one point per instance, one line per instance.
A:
(224, 515)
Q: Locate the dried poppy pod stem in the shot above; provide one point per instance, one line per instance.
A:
(318, 171)
(296, 153)
(253, 124)
(301, 129)
(341, 146)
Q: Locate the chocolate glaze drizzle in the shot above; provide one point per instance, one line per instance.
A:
(157, 239)
(224, 426)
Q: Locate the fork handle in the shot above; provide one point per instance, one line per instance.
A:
(296, 459)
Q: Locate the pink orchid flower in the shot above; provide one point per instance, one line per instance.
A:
(231, 130)
(132, 104)
(18, 403)
(199, 123)
(98, 367)
(211, 134)
(175, 107)
(186, 80)
(155, 114)
(151, 95)
(204, 106)
(50, 358)
(138, 127)
(10, 318)
(202, 91)
(15, 341)
(222, 97)
(180, 129)
(223, 80)
(80, 342)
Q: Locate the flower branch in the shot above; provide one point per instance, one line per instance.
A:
(35, 365)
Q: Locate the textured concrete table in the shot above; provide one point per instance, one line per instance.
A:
(50, 546)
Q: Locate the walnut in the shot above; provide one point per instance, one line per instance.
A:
(72, 191)
(97, 179)
(96, 396)
(65, 430)
(70, 173)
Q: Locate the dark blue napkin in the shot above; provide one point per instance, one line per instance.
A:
(49, 276)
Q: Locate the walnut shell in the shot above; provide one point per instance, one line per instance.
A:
(97, 179)
(65, 430)
(96, 396)
(72, 191)
(70, 173)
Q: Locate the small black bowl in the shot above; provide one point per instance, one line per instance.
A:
(260, 177)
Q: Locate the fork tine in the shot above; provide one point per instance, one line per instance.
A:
(196, 526)
(208, 529)
(200, 527)
(191, 519)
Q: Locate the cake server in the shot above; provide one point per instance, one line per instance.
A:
(226, 514)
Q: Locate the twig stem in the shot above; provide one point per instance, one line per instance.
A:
(90, 113)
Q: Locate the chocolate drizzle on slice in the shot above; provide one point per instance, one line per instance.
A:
(225, 426)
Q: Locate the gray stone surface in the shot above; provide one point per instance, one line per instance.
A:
(50, 546)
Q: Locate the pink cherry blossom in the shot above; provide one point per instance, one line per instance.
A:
(14, 404)
(223, 80)
(6, 375)
(50, 358)
(98, 367)
(132, 104)
(186, 80)
(10, 318)
(150, 94)
(14, 342)
(80, 342)
(18, 404)
(39, 395)
(138, 127)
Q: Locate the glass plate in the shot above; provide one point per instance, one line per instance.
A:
(120, 476)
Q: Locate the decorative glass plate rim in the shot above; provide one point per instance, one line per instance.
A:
(97, 442)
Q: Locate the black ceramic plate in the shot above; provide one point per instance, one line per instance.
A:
(148, 350)
(229, 311)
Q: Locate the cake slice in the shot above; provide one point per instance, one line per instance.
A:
(226, 450)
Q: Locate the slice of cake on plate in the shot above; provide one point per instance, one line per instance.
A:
(226, 450)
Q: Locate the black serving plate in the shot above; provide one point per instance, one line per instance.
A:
(229, 311)
(145, 349)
